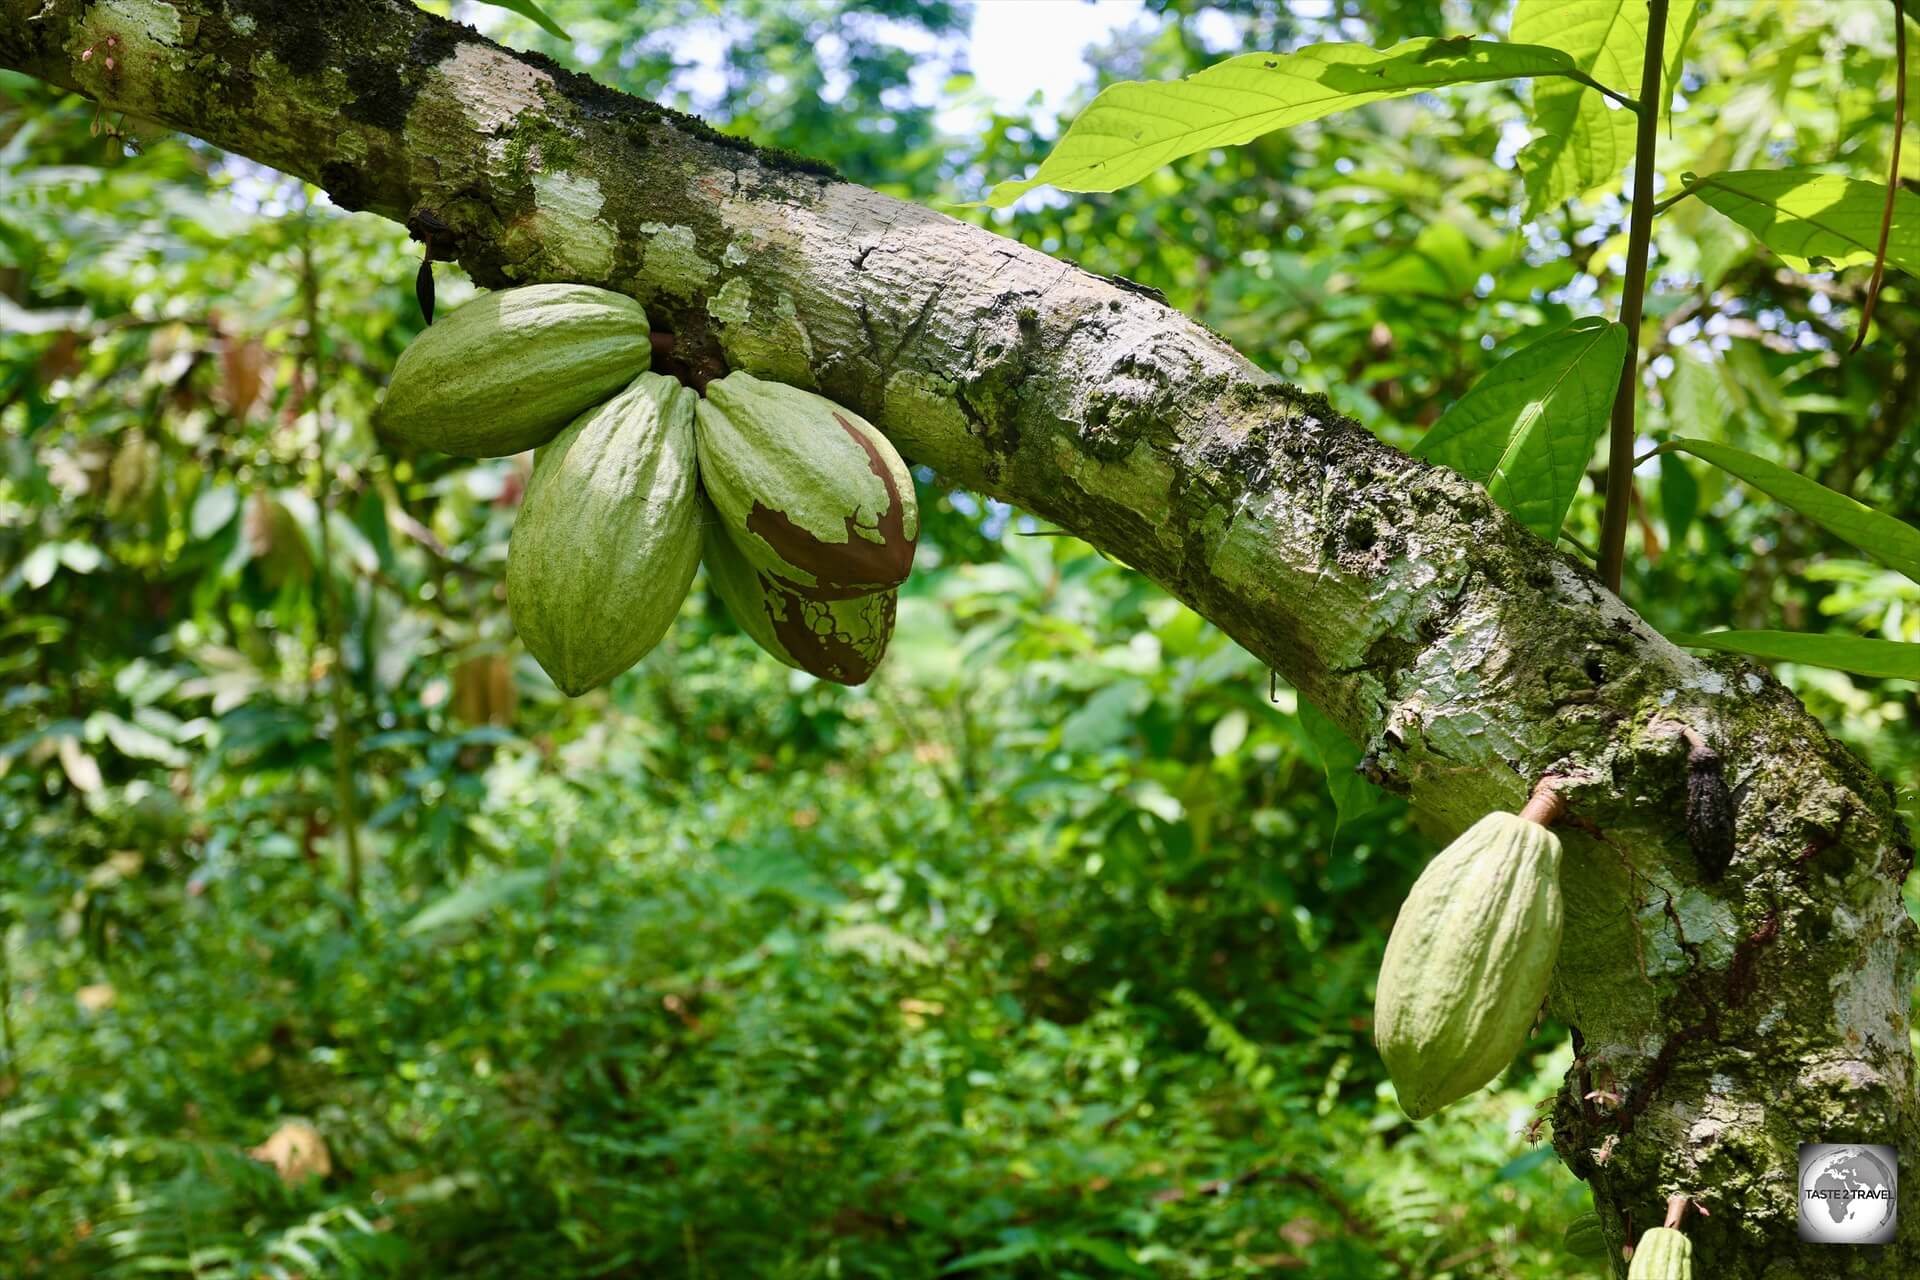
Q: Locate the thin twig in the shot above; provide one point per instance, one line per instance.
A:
(1893, 174)
(329, 608)
(6, 1005)
(1613, 526)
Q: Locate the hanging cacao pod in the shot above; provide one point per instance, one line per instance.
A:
(1467, 965)
(809, 491)
(506, 371)
(837, 640)
(1662, 1254)
(1584, 1238)
(608, 535)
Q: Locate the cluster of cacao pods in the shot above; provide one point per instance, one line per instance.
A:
(1468, 962)
(803, 513)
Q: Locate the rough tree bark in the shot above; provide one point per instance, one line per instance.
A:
(1734, 1013)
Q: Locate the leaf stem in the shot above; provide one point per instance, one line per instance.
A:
(1613, 525)
(1893, 174)
(1581, 77)
(1676, 198)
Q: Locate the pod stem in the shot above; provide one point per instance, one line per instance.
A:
(1677, 1209)
(1546, 804)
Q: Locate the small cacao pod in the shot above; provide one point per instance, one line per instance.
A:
(837, 640)
(506, 371)
(811, 492)
(608, 535)
(1467, 965)
(1662, 1254)
(1584, 1238)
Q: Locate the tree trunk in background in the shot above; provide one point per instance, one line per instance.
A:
(1734, 1016)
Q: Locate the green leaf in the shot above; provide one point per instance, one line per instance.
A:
(1696, 392)
(1105, 718)
(1816, 221)
(1892, 542)
(1582, 142)
(1679, 498)
(1108, 1254)
(472, 900)
(213, 510)
(1353, 795)
(1025, 1247)
(133, 740)
(1527, 428)
(1439, 264)
(528, 9)
(1135, 127)
(1892, 659)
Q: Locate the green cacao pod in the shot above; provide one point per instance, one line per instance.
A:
(608, 535)
(1584, 1238)
(1662, 1254)
(1467, 965)
(837, 640)
(506, 371)
(810, 492)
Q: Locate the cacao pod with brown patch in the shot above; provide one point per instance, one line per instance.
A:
(810, 492)
(841, 640)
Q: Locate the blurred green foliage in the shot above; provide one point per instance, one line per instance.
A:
(1046, 953)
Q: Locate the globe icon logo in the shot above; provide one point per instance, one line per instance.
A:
(1848, 1194)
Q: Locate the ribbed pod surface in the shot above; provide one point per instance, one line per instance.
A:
(1468, 963)
(508, 370)
(608, 535)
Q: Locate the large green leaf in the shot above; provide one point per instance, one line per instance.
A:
(1136, 126)
(1527, 428)
(1679, 498)
(1892, 542)
(528, 9)
(1339, 758)
(1858, 654)
(1582, 143)
(1816, 221)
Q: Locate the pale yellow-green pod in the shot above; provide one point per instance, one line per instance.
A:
(505, 372)
(1467, 966)
(608, 535)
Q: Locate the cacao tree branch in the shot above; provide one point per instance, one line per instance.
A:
(1736, 1016)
